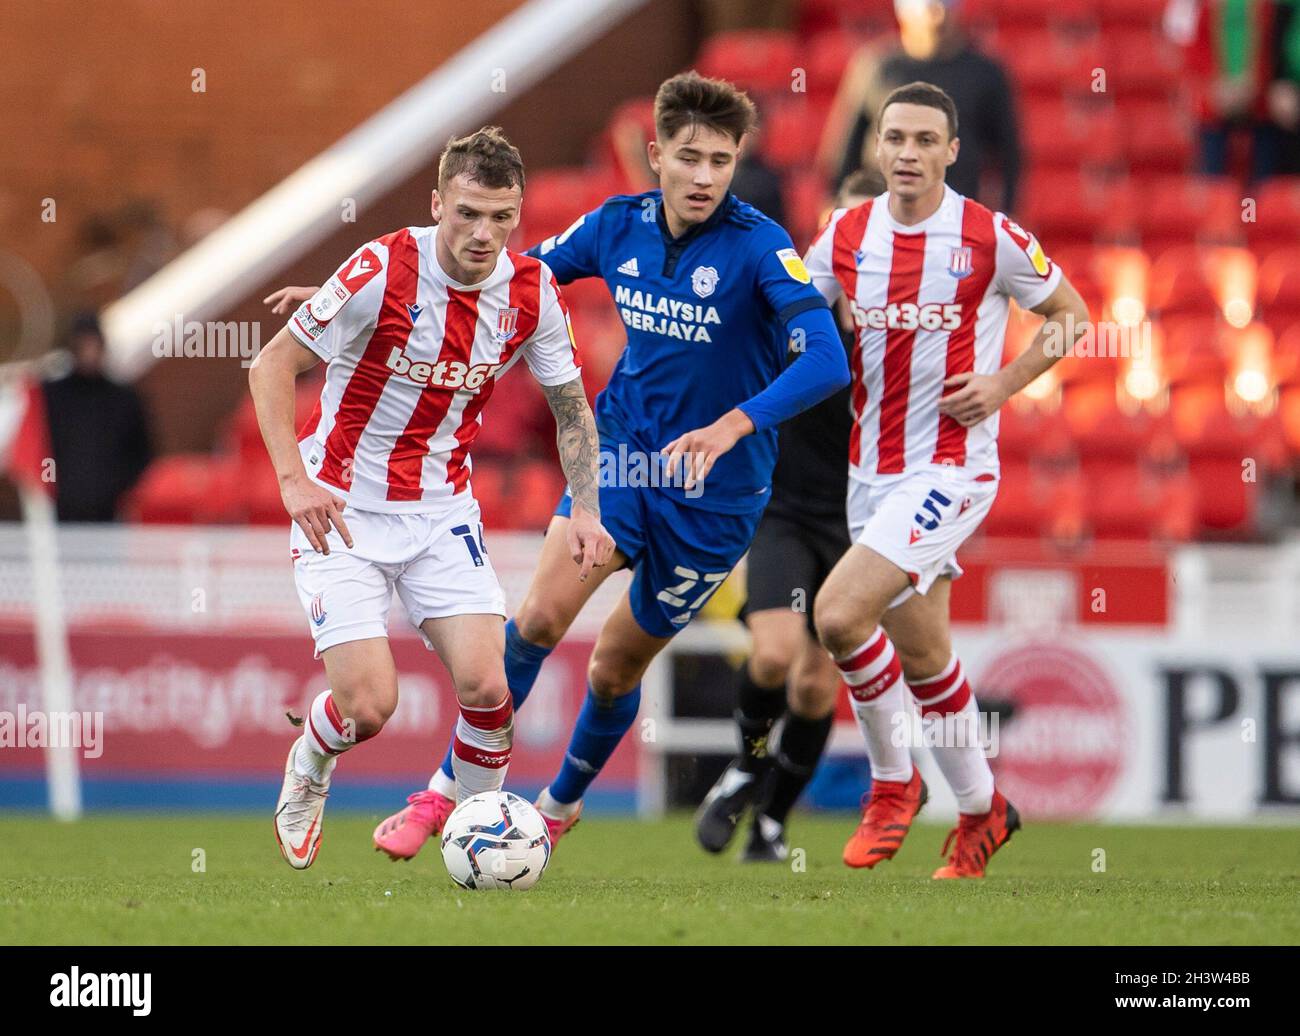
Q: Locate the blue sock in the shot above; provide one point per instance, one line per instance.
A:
(523, 662)
(600, 727)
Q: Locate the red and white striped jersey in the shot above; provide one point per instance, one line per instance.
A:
(412, 358)
(929, 301)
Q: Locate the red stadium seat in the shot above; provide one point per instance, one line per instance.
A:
(1113, 13)
(1141, 62)
(516, 422)
(1106, 433)
(1288, 409)
(535, 489)
(1034, 502)
(1286, 356)
(1180, 285)
(1279, 287)
(257, 494)
(761, 60)
(1022, 431)
(1060, 134)
(185, 488)
(636, 119)
(554, 198)
(1048, 64)
(1018, 509)
(1121, 502)
(828, 56)
(807, 204)
(1225, 502)
(1276, 212)
(1178, 209)
(1077, 14)
(790, 132)
(489, 483)
(1157, 137)
(864, 17)
(1191, 349)
(1063, 203)
(242, 437)
(1217, 443)
(1078, 264)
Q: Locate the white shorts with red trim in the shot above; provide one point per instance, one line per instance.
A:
(437, 563)
(919, 519)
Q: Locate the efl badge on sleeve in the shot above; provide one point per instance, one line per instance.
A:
(960, 262)
(507, 319)
(794, 265)
(1030, 246)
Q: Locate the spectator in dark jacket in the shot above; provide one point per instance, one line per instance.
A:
(98, 431)
(934, 48)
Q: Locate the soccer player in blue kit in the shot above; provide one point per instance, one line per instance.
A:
(712, 294)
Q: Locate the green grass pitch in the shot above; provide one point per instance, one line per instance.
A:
(132, 879)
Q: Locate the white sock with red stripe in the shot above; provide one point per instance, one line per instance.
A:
(326, 736)
(875, 683)
(481, 750)
(958, 749)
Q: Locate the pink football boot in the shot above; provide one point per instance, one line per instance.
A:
(403, 834)
(558, 826)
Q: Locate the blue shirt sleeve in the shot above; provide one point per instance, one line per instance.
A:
(821, 369)
(574, 253)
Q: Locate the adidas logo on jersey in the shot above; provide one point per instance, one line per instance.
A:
(630, 268)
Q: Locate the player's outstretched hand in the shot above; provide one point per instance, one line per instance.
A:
(978, 396)
(589, 544)
(315, 509)
(286, 299)
(699, 450)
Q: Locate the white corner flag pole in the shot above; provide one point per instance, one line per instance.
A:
(62, 767)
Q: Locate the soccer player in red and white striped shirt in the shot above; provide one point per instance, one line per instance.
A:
(415, 328)
(928, 275)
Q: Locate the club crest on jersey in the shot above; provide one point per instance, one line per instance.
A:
(507, 320)
(704, 281)
(960, 262)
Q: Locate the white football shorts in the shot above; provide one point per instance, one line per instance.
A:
(437, 562)
(919, 519)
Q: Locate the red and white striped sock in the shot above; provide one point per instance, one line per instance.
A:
(326, 737)
(958, 750)
(481, 750)
(874, 679)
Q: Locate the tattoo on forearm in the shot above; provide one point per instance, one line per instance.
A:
(575, 434)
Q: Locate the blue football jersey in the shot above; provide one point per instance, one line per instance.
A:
(705, 316)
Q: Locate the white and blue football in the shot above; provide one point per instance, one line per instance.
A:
(495, 840)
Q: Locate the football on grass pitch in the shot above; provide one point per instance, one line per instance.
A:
(495, 840)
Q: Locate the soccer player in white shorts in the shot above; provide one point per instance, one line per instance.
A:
(929, 275)
(415, 329)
